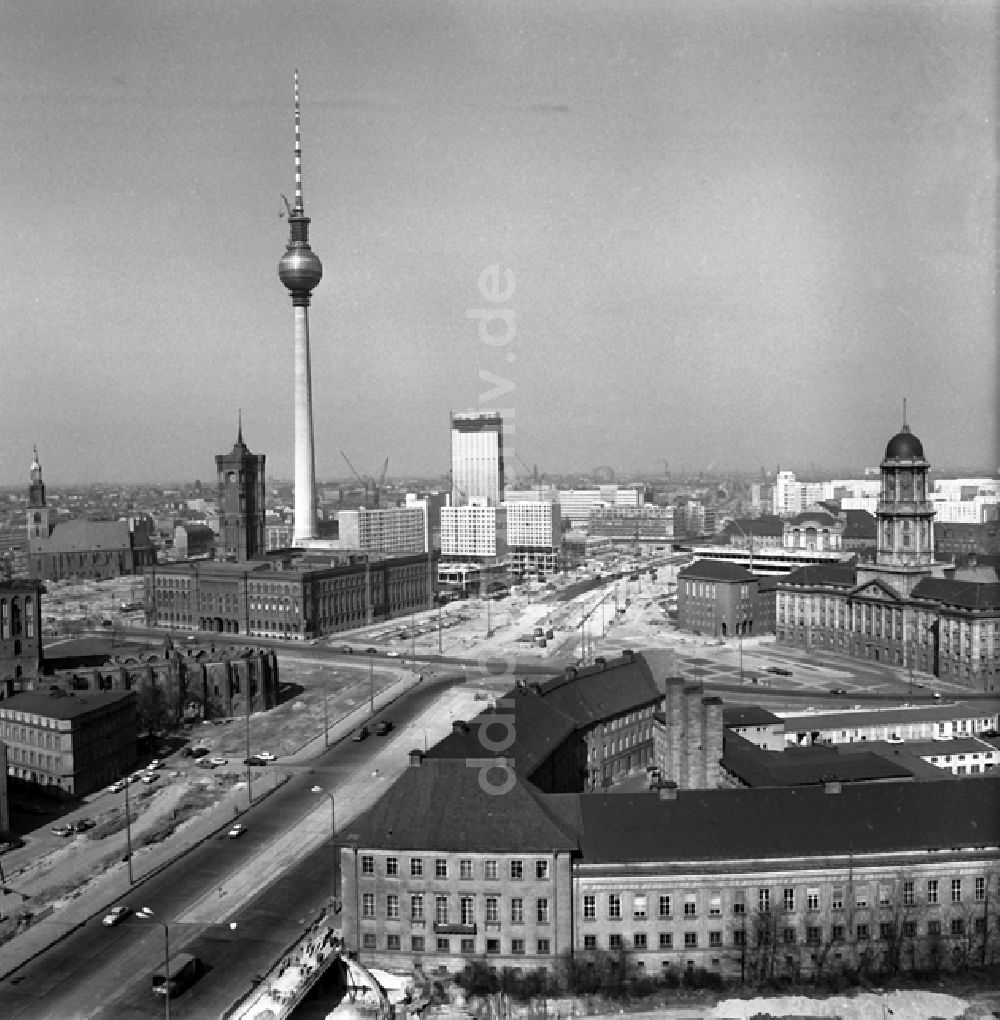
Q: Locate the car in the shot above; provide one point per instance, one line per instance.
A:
(267, 756)
(83, 824)
(779, 671)
(371, 651)
(254, 760)
(117, 787)
(237, 830)
(219, 761)
(838, 690)
(199, 752)
(115, 916)
(150, 779)
(383, 727)
(346, 649)
(936, 695)
(393, 655)
(361, 734)
(64, 830)
(205, 763)
(894, 739)
(155, 764)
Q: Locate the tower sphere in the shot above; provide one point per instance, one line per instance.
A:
(904, 445)
(300, 269)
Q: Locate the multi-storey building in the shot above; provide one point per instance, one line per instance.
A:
(477, 470)
(792, 497)
(469, 856)
(534, 537)
(386, 530)
(20, 633)
(288, 596)
(648, 527)
(717, 598)
(69, 743)
(899, 610)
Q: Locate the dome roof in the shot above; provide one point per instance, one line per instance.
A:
(904, 445)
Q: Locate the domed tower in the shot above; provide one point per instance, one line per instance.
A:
(905, 514)
(300, 270)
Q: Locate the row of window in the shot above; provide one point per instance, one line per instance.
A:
(466, 909)
(466, 870)
(790, 899)
(466, 946)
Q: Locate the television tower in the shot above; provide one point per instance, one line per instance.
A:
(300, 270)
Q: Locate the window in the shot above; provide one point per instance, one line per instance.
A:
(980, 892)
(393, 942)
(639, 940)
(788, 935)
(861, 897)
(367, 864)
(614, 906)
(933, 929)
(417, 943)
(908, 895)
(814, 935)
(589, 908)
(715, 938)
(956, 890)
(517, 911)
(392, 906)
(416, 867)
(932, 890)
(837, 898)
(492, 946)
(909, 929)
(464, 868)
(887, 931)
(491, 872)
(517, 870)
(541, 869)
(885, 896)
(542, 910)
(690, 940)
(444, 945)
(441, 868)
(666, 940)
(368, 941)
(468, 910)
(639, 906)
(468, 946)
(957, 926)
(440, 909)
(715, 905)
(812, 899)
(368, 905)
(739, 938)
(664, 908)
(788, 899)
(392, 866)
(492, 909)
(417, 907)
(544, 947)
(837, 933)
(763, 900)
(690, 905)
(589, 941)
(516, 947)
(615, 941)
(739, 901)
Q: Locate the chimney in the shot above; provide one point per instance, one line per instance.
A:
(667, 789)
(459, 726)
(416, 757)
(601, 662)
(628, 655)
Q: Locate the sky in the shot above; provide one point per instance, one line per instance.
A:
(727, 235)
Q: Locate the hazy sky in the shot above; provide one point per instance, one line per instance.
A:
(738, 233)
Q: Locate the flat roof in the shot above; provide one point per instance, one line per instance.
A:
(62, 706)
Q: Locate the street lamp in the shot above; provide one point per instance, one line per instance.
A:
(371, 681)
(333, 830)
(147, 914)
(128, 830)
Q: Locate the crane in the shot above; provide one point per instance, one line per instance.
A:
(372, 488)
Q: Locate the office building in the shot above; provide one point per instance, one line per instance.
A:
(477, 470)
(534, 537)
(386, 530)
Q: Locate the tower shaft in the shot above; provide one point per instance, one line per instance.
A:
(305, 461)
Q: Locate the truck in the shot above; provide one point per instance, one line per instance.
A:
(184, 971)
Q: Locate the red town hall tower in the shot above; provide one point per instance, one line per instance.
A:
(241, 502)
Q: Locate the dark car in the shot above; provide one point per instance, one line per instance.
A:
(84, 824)
(199, 752)
(371, 651)
(382, 727)
(346, 649)
(362, 734)
(779, 670)
(254, 760)
(838, 690)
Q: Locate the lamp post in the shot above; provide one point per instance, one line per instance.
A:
(128, 830)
(371, 682)
(148, 915)
(438, 600)
(333, 831)
(249, 773)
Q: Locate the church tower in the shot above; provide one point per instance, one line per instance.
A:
(241, 502)
(300, 270)
(38, 511)
(905, 514)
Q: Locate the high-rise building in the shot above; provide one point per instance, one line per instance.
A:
(300, 270)
(477, 458)
(241, 502)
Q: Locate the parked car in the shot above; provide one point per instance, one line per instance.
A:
(393, 654)
(115, 916)
(361, 734)
(155, 764)
(83, 824)
(346, 649)
(64, 830)
(371, 651)
(383, 726)
(267, 756)
(219, 761)
(150, 779)
(205, 763)
(838, 690)
(117, 787)
(254, 760)
(199, 752)
(237, 830)
(779, 670)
